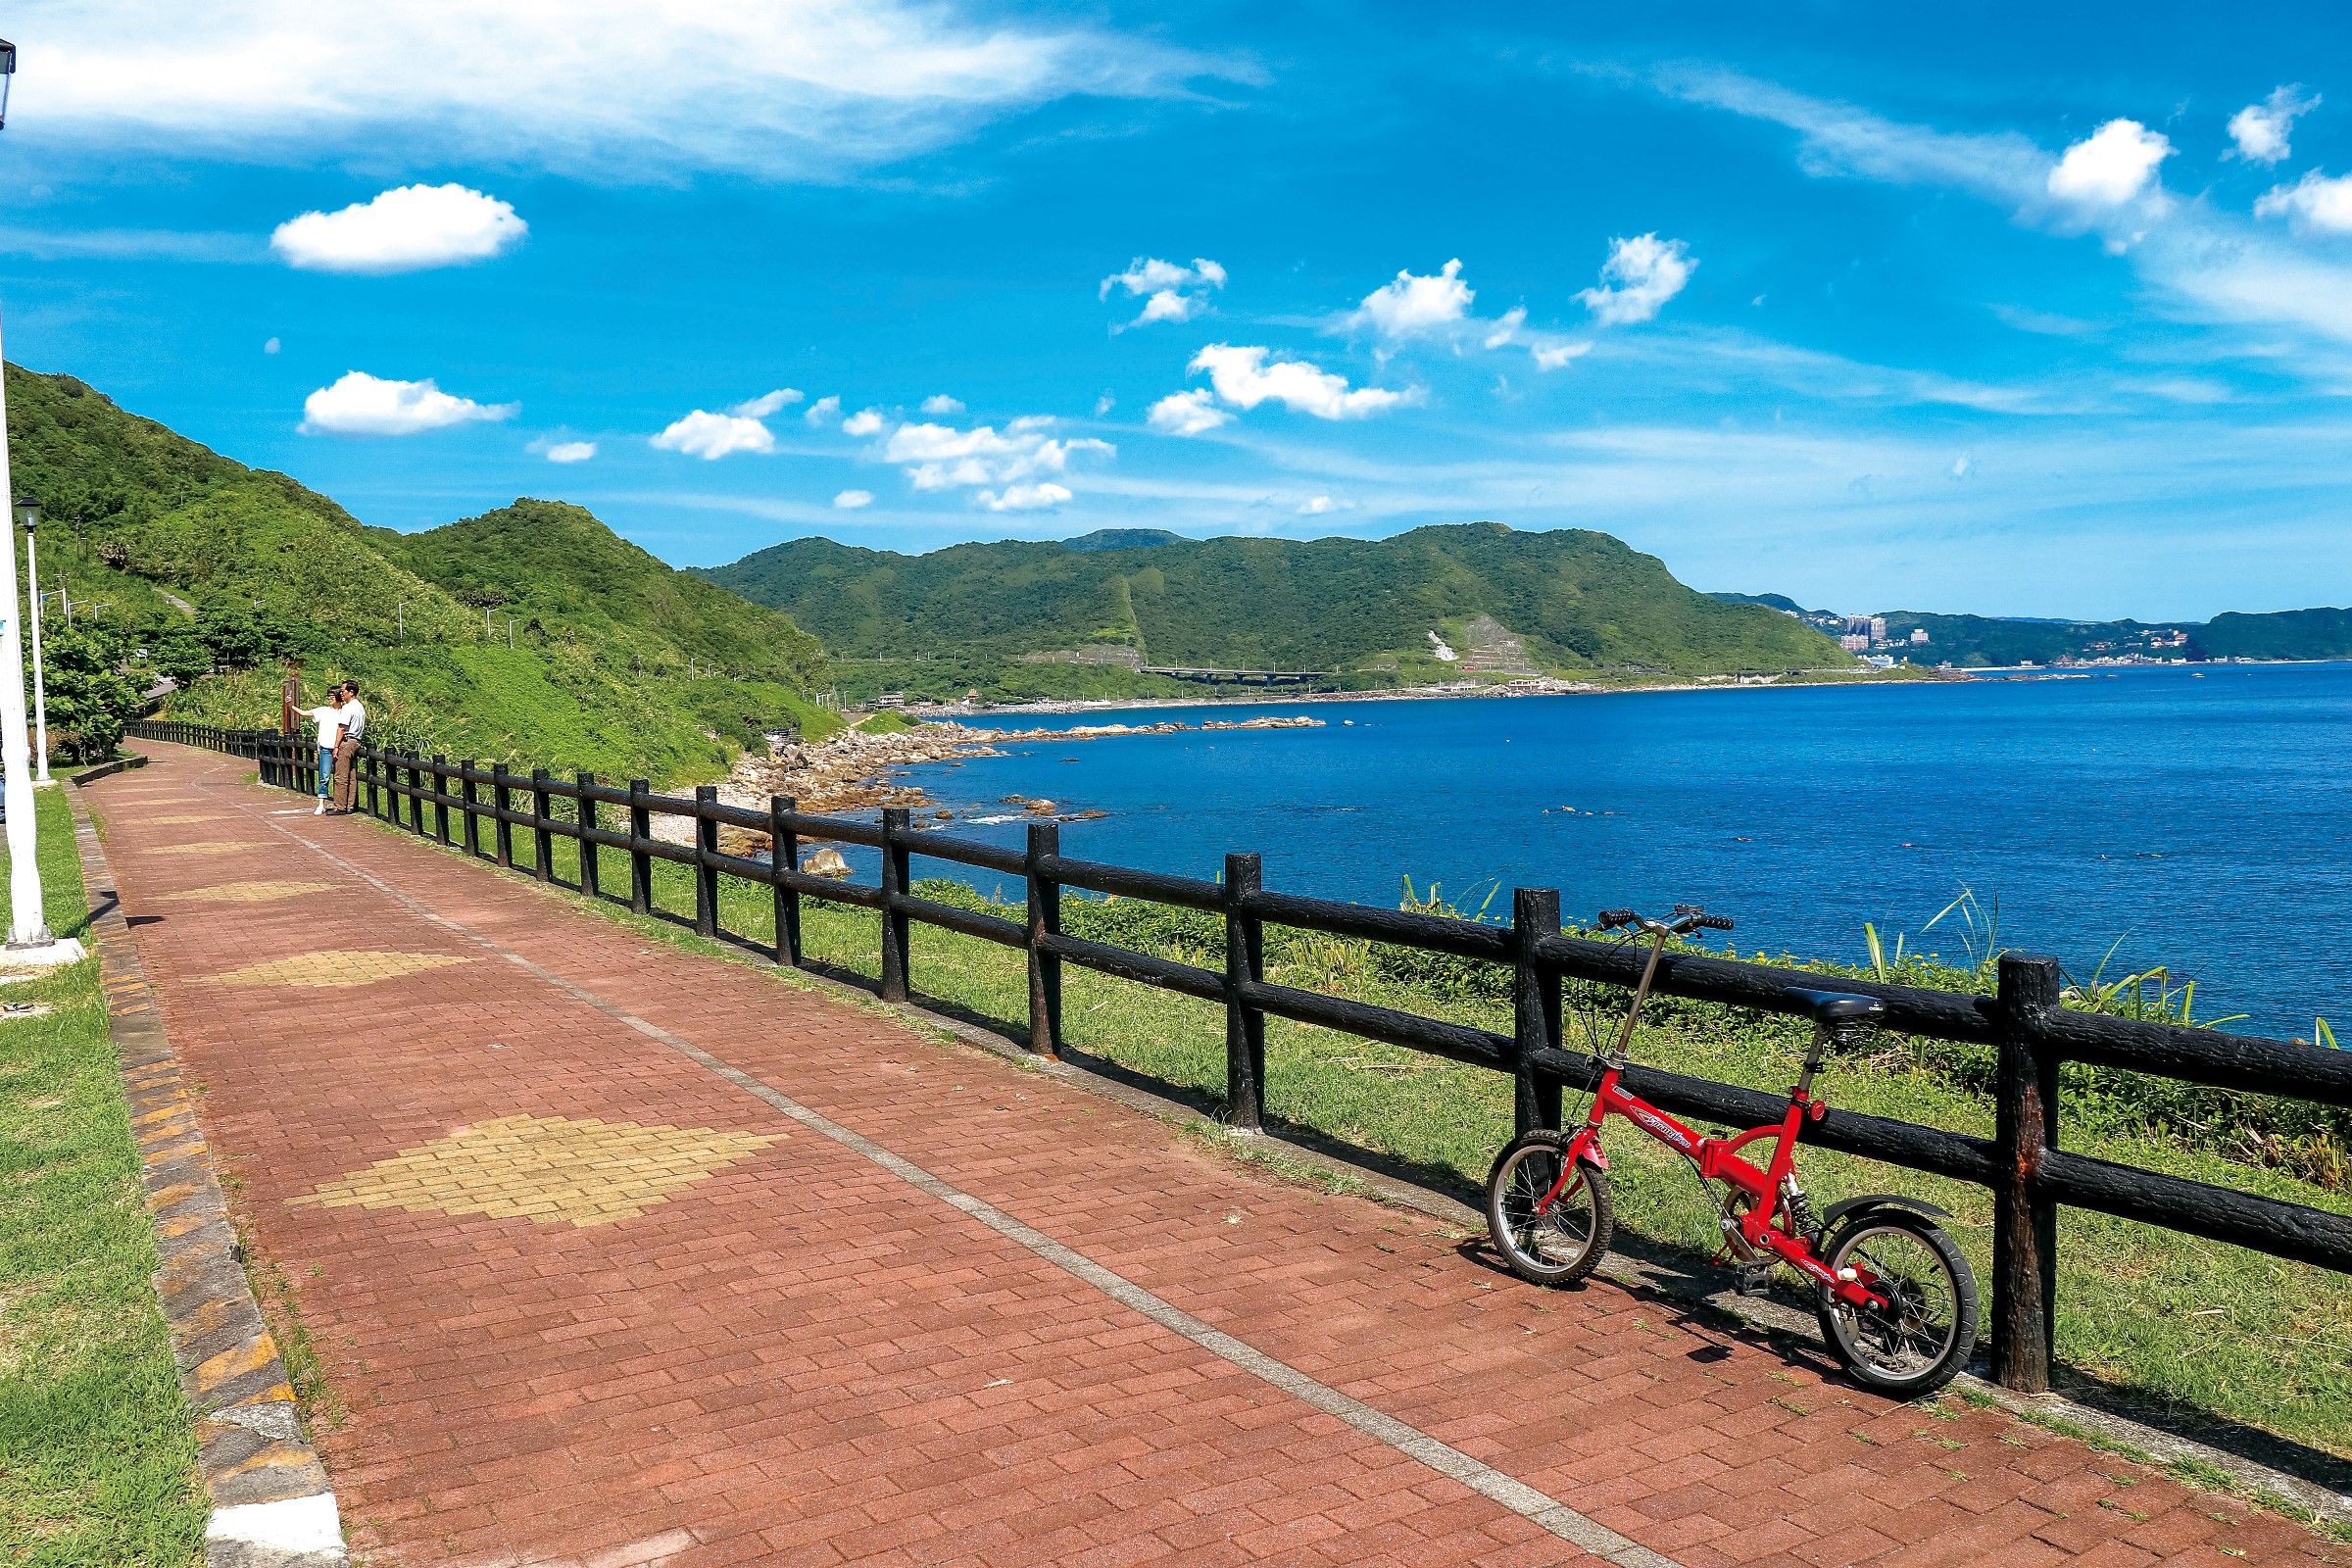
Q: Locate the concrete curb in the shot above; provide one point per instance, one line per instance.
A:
(121, 765)
(272, 1504)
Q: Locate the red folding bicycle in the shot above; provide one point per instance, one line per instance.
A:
(1897, 1301)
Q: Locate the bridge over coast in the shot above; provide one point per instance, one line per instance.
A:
(1240, 677)
(613, 1253)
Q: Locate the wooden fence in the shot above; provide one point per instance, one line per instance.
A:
(2030, 1033)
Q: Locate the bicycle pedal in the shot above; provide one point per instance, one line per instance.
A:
(1754, 1280)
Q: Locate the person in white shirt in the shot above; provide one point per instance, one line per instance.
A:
(330, 730)
(353, 717)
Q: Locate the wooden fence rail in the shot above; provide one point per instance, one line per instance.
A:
(2023, 1023)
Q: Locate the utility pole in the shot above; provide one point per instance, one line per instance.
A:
(401, 614)
(30, 516)
(510, 620)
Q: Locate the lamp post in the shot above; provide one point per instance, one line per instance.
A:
(30, 517)
(29, 942)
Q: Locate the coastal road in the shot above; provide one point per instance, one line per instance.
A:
(612, 1255)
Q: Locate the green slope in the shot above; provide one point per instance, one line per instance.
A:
(619, 664)
(1577, 601)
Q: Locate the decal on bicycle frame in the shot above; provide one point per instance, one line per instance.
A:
(1663, 1128)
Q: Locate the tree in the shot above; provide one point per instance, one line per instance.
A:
(89, 701)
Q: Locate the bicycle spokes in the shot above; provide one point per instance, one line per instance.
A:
(1912, 1331)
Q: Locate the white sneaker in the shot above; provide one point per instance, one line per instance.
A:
(321, 810)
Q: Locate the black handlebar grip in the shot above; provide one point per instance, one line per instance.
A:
(1717, 922)
(1610, 919)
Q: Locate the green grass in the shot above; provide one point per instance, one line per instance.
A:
(2170, 1319)
(97, 1445)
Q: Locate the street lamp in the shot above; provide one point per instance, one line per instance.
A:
(28, 938)
(30, 517)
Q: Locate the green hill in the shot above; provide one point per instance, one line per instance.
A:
(618, 662)
(1092, 615)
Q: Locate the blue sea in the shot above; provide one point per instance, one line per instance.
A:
(2200, 820)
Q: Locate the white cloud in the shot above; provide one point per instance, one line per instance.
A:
(1411, 304)
(569, 451)
(865, 421)
(1317, 506)
(1645, 271)
(1104, 404)
(2261, 129)
(1169, 292)
(711, 436)
(2314, 204)
(402, 230)
(940, 457)
(613, 89)
(766, 403)
(1186, 413)
(359, 403)
(822, 410)
(2110, 167)
(271, 347)
(1963, 466)
(942, 405)
(852, 500)
(1243, 377)
(1553, 355)
(1507, 327)
(1025, 498)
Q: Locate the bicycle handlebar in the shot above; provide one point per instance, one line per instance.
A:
(1688, 917)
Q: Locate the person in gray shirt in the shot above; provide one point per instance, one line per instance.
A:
(347, 749)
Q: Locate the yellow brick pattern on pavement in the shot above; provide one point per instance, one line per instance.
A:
(183, 819)
(207, 847)
(551, 1169)
(335, 971)
(252, 892)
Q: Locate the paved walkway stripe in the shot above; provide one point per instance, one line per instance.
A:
(1544, 1510)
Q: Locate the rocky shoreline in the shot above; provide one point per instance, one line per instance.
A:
(852, 773)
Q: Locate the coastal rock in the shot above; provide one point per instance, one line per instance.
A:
(826, 862)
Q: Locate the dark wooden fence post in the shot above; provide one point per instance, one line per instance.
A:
(706, 875)
(441, 799)
(1534, 1008)
(641, 864)
(1245, 1025)
(416, 795)
(784, 854)
(502, 801)
(2025, 1225)
(470, 809)
(375, 772)
(893, 888)
(585, 817)
(543, 837)
(1043, 901)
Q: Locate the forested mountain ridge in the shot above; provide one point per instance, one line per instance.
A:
(190, 558)
(1027, 616)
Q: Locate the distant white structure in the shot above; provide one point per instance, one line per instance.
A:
(1444, 655)
(1855, 642)
(1919, 635)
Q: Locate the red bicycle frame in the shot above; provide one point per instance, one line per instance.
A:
(1764, 1228)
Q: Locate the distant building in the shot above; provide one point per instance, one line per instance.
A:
(1878, 628)
(1855, 642)
(1919, 635)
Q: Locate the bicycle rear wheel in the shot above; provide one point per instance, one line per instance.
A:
(1568, 1239)
(1921, 1339)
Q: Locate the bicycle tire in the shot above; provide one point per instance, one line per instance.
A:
(1862, 1344)
(1527, 1166)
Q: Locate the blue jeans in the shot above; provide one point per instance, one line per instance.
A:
(326, 770)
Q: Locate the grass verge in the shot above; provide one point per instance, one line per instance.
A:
(2174, 1321)
(97, 1444)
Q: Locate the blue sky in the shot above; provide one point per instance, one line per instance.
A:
(2015, 309)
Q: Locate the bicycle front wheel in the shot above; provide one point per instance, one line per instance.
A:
(1921, 1337)
(1568, 1239)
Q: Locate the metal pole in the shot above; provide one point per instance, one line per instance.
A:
(40, 691)
(26, 926)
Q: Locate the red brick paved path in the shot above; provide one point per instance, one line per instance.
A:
(647, 1353)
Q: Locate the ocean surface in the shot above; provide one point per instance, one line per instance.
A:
(2203, 819)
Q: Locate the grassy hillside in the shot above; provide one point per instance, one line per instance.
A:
(1575, 601)
(619, 663)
